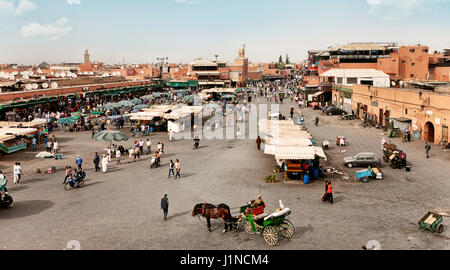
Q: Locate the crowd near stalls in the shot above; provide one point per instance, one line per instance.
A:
(16, 136)
(293, 149)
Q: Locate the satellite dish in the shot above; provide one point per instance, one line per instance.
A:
(142, 72)
(43, 78)
(91, 73)
(74, 76)
(393, 83)
(86, 73)
(45, 85)
(12, 77)
(54, 85)
(53, 73)
(35, 86)
(28, 87)
(63, 75)
(402, 83)
(57, 75)
(14, 73)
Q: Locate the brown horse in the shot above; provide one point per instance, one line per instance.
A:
(210, 211)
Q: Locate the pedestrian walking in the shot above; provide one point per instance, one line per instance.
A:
(178, 169)
(118, 155)
(141, 147)
(17, 173)
(165, 206)
(171, 168)
(330, 192)
(68, 174)
(149, 147)
(33, 144)
(93, 132)
(55, 147)
(317, 121)
(49, 146)
(79, 162)
(258, 143)
(105, 162)
(161, 148)
(96, 162)
(427, 149)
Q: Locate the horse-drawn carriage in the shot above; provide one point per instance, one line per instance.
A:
(269, 226)
(253, 218)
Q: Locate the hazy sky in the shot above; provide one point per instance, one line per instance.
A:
(32, 31)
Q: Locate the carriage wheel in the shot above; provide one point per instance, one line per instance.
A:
(270, 235)
(248, 227)
(287, 229)
(440, 228)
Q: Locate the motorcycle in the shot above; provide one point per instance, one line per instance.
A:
(76, 182)
(154, 163)
(6, 201)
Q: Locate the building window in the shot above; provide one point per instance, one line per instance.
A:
(412, 50)
(413, 64)
(352, 80)
(406, 111)
(403, 61)
(339, 80)
(411, 75)
(425, 50)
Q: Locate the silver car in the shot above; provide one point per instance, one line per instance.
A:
(362, 160)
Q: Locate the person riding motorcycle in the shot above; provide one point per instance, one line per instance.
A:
(156, 158)
(196, 142)
(78, 176)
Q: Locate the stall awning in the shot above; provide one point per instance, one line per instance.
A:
(298, 152)
(317, 94)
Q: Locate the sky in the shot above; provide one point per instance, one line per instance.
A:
(140, 31)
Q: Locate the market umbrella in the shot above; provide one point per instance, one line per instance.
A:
(136, 101)
(78, 114)
(110, 135)
(44, 155)
(126, 103)
(148, 97)
(111, 106)
(97, 113)
(137, 108)
(191, 98)
(67, 120)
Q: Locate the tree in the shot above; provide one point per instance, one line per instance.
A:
(287, 59)
(281, 59)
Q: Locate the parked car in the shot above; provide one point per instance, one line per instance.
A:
(335, 111)
(362, 160)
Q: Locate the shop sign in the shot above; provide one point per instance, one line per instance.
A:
(437, 121)
(429, 112)
(347, 101)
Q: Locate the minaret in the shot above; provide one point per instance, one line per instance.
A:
(87, 58)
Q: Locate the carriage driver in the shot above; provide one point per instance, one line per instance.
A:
(260, 202)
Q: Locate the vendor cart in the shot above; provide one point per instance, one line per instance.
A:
(370, 173)
(432, 222)
(338, 140)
